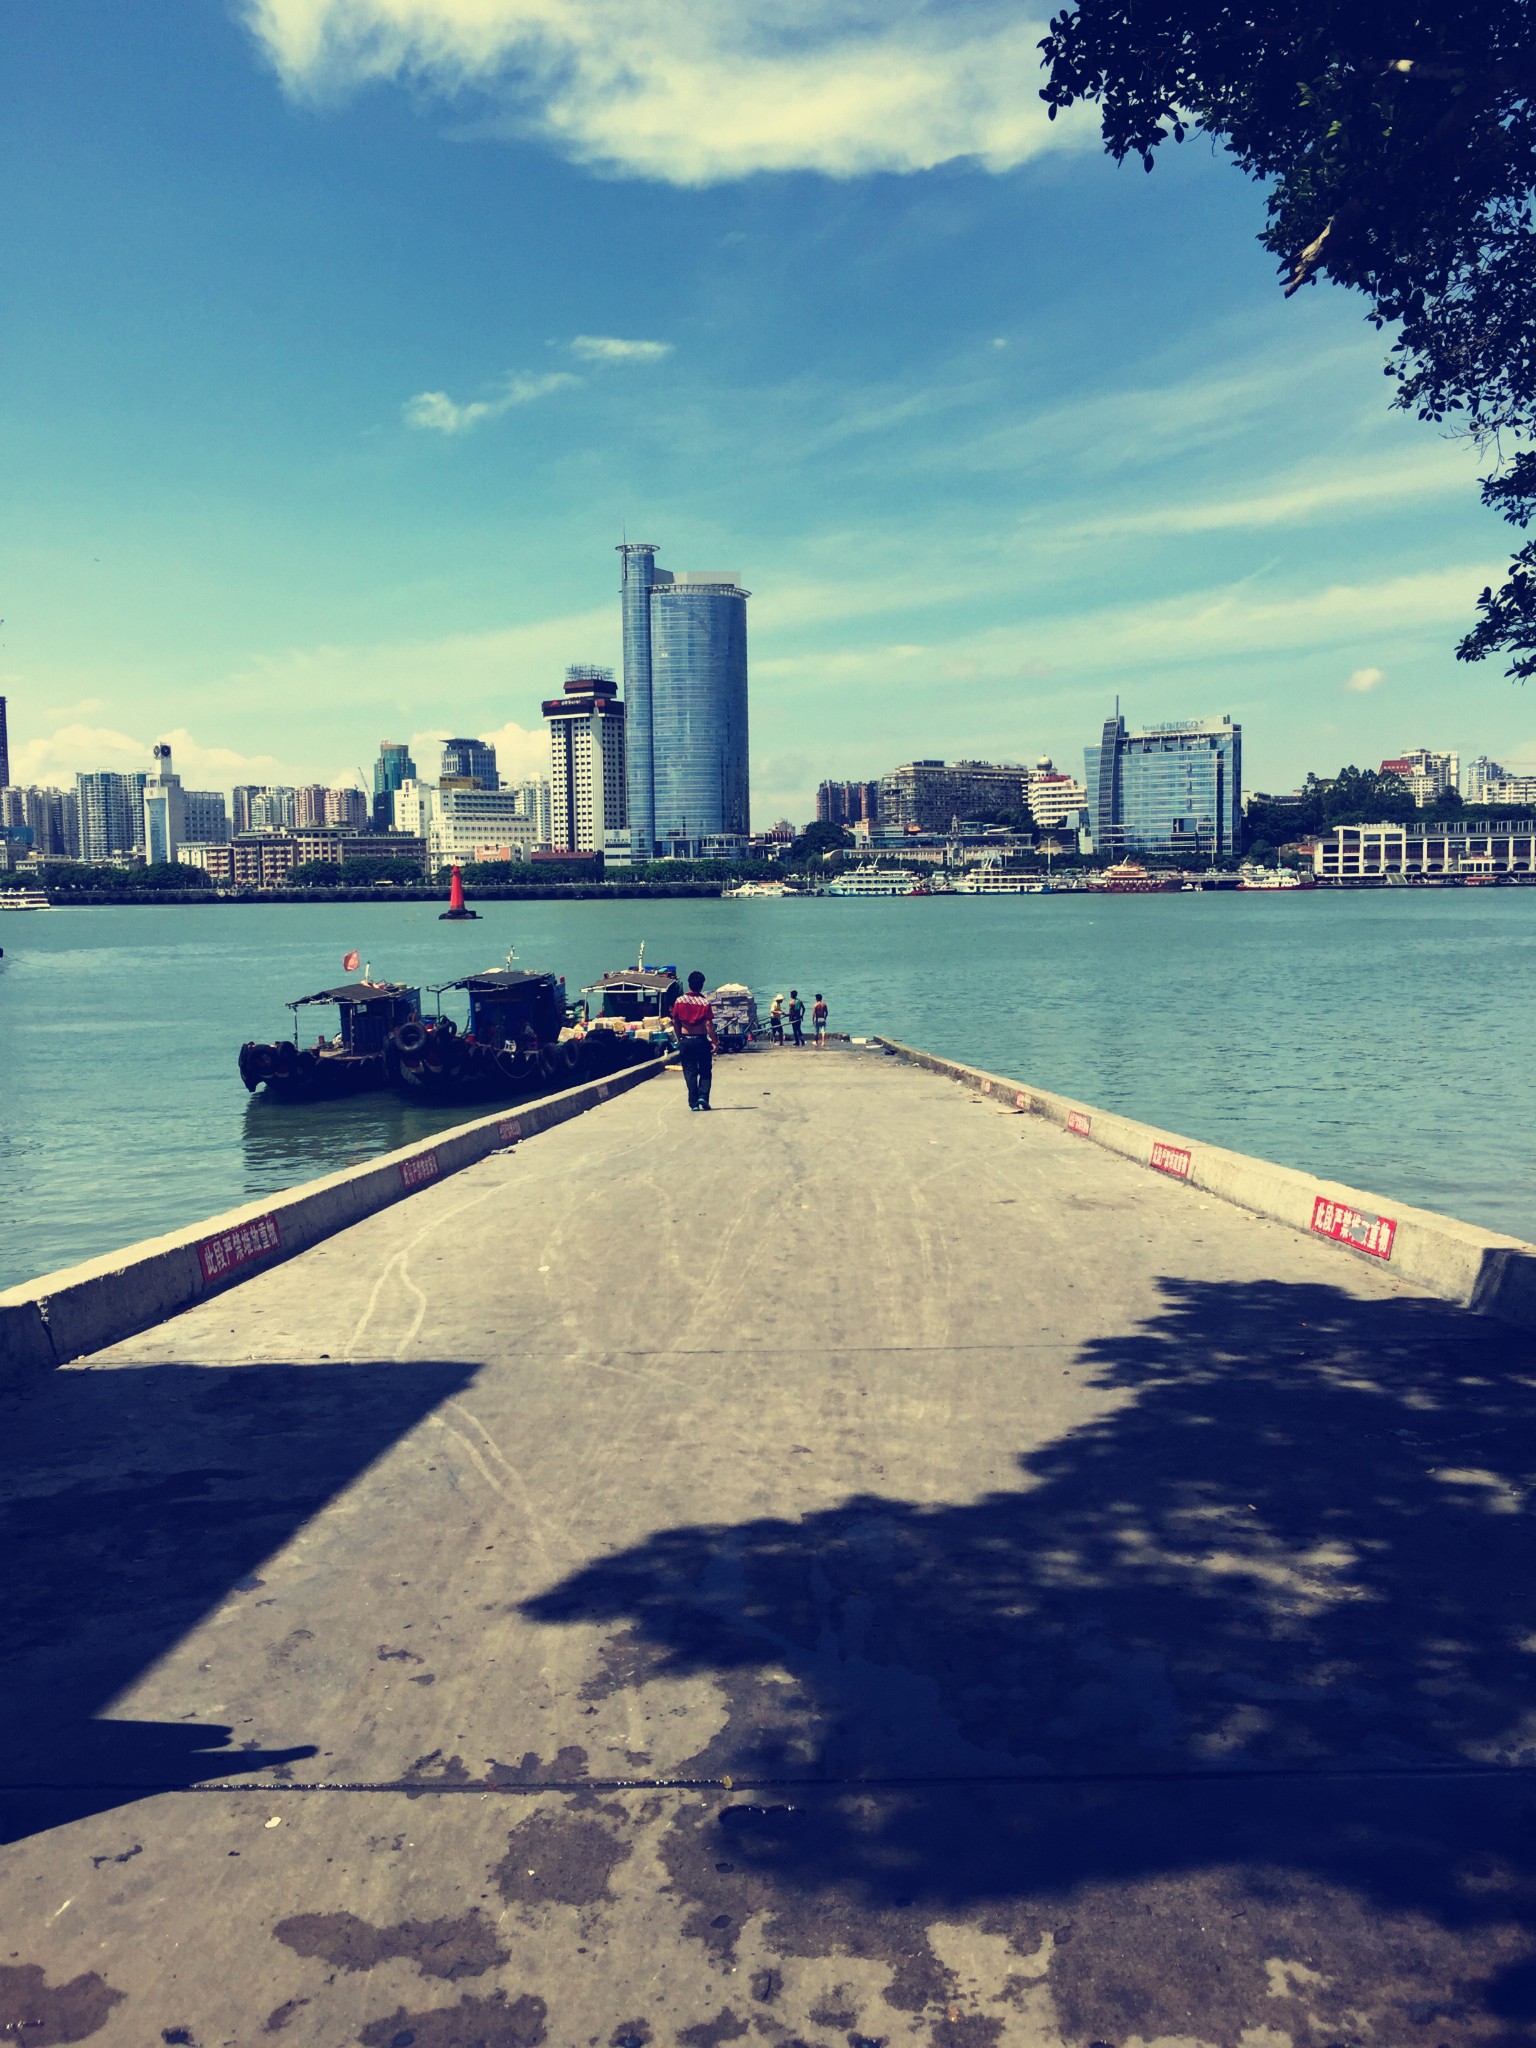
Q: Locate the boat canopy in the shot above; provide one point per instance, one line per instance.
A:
(356, 992)
(496, 981)
(643, 979)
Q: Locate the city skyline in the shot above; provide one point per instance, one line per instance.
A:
(973, 497)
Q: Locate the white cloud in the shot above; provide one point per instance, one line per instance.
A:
(436, 412)
(1298, 499)
(696, 91)
(1365, 679)
(79, 749)
(608, 348)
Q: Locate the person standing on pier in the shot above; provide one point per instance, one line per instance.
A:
(819, 1020)
(693, 1026)
(776, 1021)
(796, 1016)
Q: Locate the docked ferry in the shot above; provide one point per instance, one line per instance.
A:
(1269, 878)
(1130, 878)
(24, 899)
(992, 879)
(872, 881)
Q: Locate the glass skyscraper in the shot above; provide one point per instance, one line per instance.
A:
(393, 767)
(685, 689)
(1173, 788)
(472, 760)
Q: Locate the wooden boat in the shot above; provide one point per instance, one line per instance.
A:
(345, 1064)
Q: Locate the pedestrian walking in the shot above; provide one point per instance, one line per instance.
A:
(796, 1017)
(776, 1021)
(693, 1026)
(819, 1020)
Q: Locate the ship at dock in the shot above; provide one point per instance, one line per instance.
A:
(350, 1060)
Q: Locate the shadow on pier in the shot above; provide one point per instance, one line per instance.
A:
(1259, 1644)
(137, 1500)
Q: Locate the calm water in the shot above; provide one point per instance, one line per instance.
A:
(1378, 1038)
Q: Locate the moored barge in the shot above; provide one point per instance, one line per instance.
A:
(345, 1064)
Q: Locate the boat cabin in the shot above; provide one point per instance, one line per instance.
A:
(369, 1010)
(506, 1002)
(637, 999)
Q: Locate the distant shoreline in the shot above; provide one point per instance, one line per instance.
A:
(92, 899)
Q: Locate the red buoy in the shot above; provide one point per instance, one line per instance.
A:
(456, 904)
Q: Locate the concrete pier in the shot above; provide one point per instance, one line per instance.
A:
(859, 1567)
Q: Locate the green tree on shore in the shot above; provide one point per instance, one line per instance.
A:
(1398, 148)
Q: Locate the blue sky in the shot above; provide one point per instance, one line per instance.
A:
(343, 339)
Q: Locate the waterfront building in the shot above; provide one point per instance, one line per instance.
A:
(1352, 853)
(165, 809)
(393, 767)
(1428, 775)
(1056, 799)
(928, 796)
(685, 689)
(111, 815)
(265, 860)
(588, 788)
(848, 803)
(470, 764)
(476, 824)
(1174, 788)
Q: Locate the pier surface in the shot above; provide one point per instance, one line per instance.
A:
(858, 1567)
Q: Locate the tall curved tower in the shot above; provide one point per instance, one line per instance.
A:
(685, 685)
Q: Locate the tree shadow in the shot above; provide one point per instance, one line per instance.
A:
(136, 1499)
(1272, 1609)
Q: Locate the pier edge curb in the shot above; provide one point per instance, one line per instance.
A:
(1460, 1262)
(79, 1309)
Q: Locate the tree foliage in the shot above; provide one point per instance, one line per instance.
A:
(1399, 150)
(71, 877)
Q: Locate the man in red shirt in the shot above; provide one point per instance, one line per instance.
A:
(693, 1026)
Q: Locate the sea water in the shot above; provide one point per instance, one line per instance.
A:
(1376, 1037)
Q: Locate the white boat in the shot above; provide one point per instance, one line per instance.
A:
(872, 881)
(991, 879)
(24, 899)
(759, 889)
(1269, 878)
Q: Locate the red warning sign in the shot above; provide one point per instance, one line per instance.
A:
(1361, 1232)
(231, 1248)
(509, 1130)
(416, 1172)
(1078, 1123)
(1171, 1159)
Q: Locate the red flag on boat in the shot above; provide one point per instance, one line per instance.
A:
(350, 962)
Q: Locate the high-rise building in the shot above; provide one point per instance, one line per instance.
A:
(111, 814)
(469, 764)
(1427, 774)
(348, 808)
(846, 803)
(1055, 800)
(928, 796)
(5, 750)
(587, 784)
(51, 816)
(1480, 772)
(265, 807)
(537, 805)
(309, 804)
(393, 767)
(165, 809)
(685, 689)
(207, 816)
(1174, 788)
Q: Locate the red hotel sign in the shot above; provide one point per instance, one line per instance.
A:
(415, 1173)
(1171, 1159)
(1078, 1123)
(1362, 1233)
(220, 1255)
